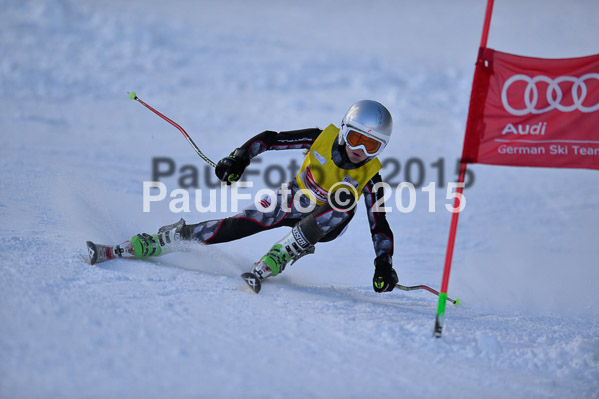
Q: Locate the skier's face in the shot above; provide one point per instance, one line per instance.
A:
(355, 156)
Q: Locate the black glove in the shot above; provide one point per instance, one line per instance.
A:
(231, 168)
(385, 277)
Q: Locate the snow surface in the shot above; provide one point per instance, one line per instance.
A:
(75, 152)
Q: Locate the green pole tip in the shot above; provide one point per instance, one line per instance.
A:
(132, 95)
(457, 302)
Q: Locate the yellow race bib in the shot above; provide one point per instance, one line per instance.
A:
(319, 175)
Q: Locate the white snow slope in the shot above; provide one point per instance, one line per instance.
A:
(75, 151)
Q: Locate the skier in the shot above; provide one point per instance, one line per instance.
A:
(340, 166)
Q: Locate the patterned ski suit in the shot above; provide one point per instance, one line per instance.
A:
(252, 220)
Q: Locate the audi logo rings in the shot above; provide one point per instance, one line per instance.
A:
(553, 95)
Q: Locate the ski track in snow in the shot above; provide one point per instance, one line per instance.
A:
(75, 151)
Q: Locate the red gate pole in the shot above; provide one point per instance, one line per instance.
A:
(485, 35)
(440, 318)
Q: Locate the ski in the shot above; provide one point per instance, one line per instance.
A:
(252, 281)
(100, 253)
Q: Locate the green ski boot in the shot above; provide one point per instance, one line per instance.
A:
(167, 240)
(292, 247)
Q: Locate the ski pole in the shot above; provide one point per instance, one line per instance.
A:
(426, 288)
(133, 96)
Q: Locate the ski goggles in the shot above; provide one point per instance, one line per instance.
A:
(357, 140)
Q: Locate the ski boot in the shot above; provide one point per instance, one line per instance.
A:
(282, 253)
(290, 249)
(168, 239)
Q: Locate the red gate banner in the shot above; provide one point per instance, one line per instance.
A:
(534, 112)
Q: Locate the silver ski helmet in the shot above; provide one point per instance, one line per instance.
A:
(366, 125)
